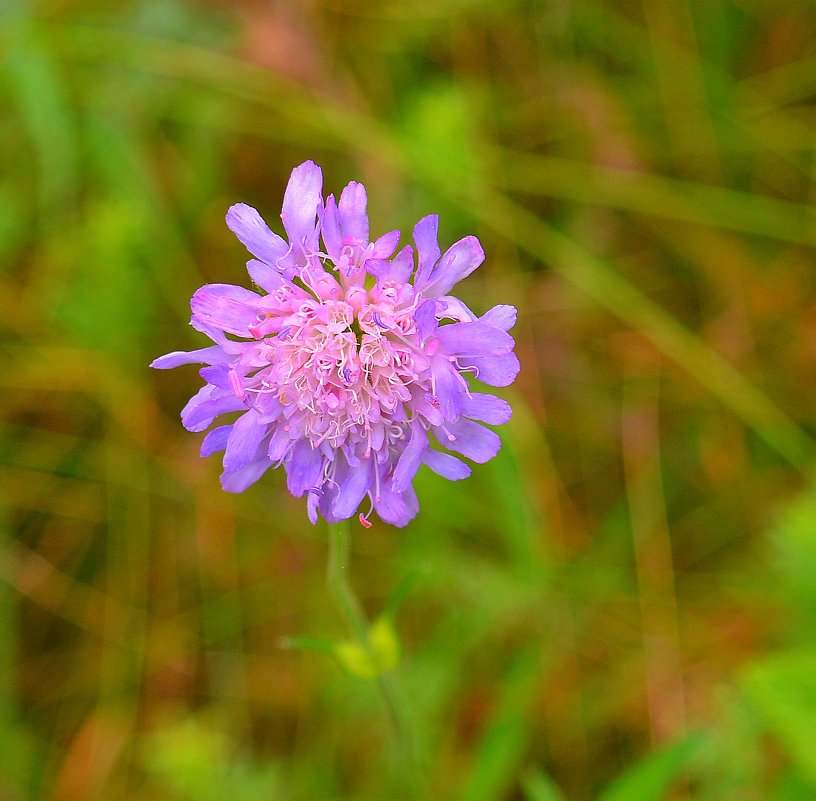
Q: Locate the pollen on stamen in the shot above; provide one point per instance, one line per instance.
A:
(364, 521)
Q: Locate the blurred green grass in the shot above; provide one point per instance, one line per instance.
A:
(621, 604)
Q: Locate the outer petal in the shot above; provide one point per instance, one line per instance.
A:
(471, 440)
(300, 202)
(422, 403)
(304, 468)
(230, 308)
(398, 269)
(459, 261)
(425, 236)
(244, 441)
(449, 387)
(312, 506)
(353, 217)
(249, 227)
(216, 440)
(445, 465)
(425, 319)
(503, 316)
(487, 408)
(216, 334)
(268, 407)
(330, 229)
(351, 490)
(498, 371)
(266, 276)
(219, 376)
(410, 458)
(397, 508)
(474, 339)
(206, 405)
(212, 355)
(239, 480)
(454, 309)
(385, 246)
(279, 444)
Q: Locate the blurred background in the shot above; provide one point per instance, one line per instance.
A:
(621, 606)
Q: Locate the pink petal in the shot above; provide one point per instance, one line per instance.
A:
(250, 228)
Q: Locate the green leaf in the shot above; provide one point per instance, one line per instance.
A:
(782, 689)
(190, 758)
(649, 779)
(40, 96)
(505, 739)
(195, 762)
(792, 787)
(795, 540)
(402, 589)
(538, 786)
(382, 656)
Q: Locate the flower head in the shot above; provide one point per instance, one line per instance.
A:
(348, 358)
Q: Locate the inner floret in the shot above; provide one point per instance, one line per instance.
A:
(342, 371)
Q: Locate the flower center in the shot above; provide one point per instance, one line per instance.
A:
(342, 370)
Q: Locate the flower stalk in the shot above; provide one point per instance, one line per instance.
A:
(337, 579)
(351, 610)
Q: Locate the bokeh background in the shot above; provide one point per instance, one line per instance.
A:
(621, 606)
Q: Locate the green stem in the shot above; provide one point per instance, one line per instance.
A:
(337, 578)
(352, 611)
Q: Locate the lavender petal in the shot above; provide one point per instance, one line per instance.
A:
(254, 233)
(239, 480)
(410, 458)
(470, 439)
(353, 217)
(206, 405)
(211, 355)
(459, 261)
(497, 371)
(474, 339)
(244, 442)
(300, 203)
(304, 468)
(215, 441)
(425, 236)
(445, 465)
(230, 308)
(486, 408)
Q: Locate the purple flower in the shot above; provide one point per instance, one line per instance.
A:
(342, 367)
